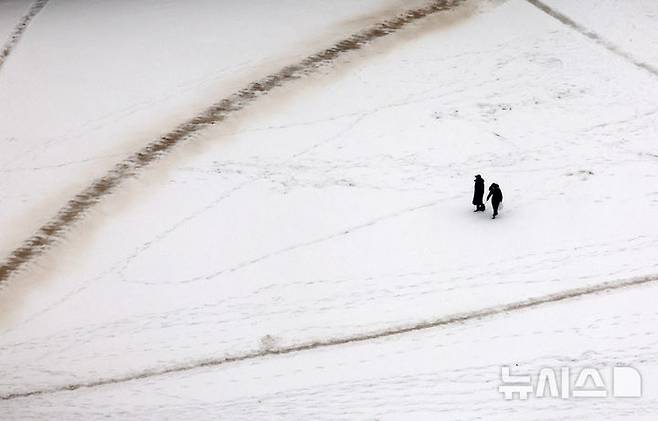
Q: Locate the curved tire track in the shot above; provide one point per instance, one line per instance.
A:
(19, 30)
(366, 336)
(77, 207)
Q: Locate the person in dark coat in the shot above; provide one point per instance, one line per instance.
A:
(496, 196)
(478, 194)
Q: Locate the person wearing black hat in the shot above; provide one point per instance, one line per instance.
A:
(496, 198)
(478, 194)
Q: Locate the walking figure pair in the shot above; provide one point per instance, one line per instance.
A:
(495, 194)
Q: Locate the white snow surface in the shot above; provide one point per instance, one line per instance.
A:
(334, 207)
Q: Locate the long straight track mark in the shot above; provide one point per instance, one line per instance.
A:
(79, 205)
(336, 341)
(593, 36)
(19, 30)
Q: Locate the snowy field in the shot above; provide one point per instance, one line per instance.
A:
(315, 254)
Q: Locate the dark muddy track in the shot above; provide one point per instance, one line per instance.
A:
(79, 205)
(593, 36)
(306, 346)
(19, 30)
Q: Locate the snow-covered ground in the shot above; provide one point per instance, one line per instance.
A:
(307, 257)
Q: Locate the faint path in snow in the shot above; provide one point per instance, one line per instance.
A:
(83, 202)
(332, 236)
(19, 30)
(366, 336)
(593, 36)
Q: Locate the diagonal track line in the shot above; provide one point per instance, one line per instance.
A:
(593, 36)
(83, 202)
(363, 337)
(19, 30)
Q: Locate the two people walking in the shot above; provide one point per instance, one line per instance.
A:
(495, 194)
